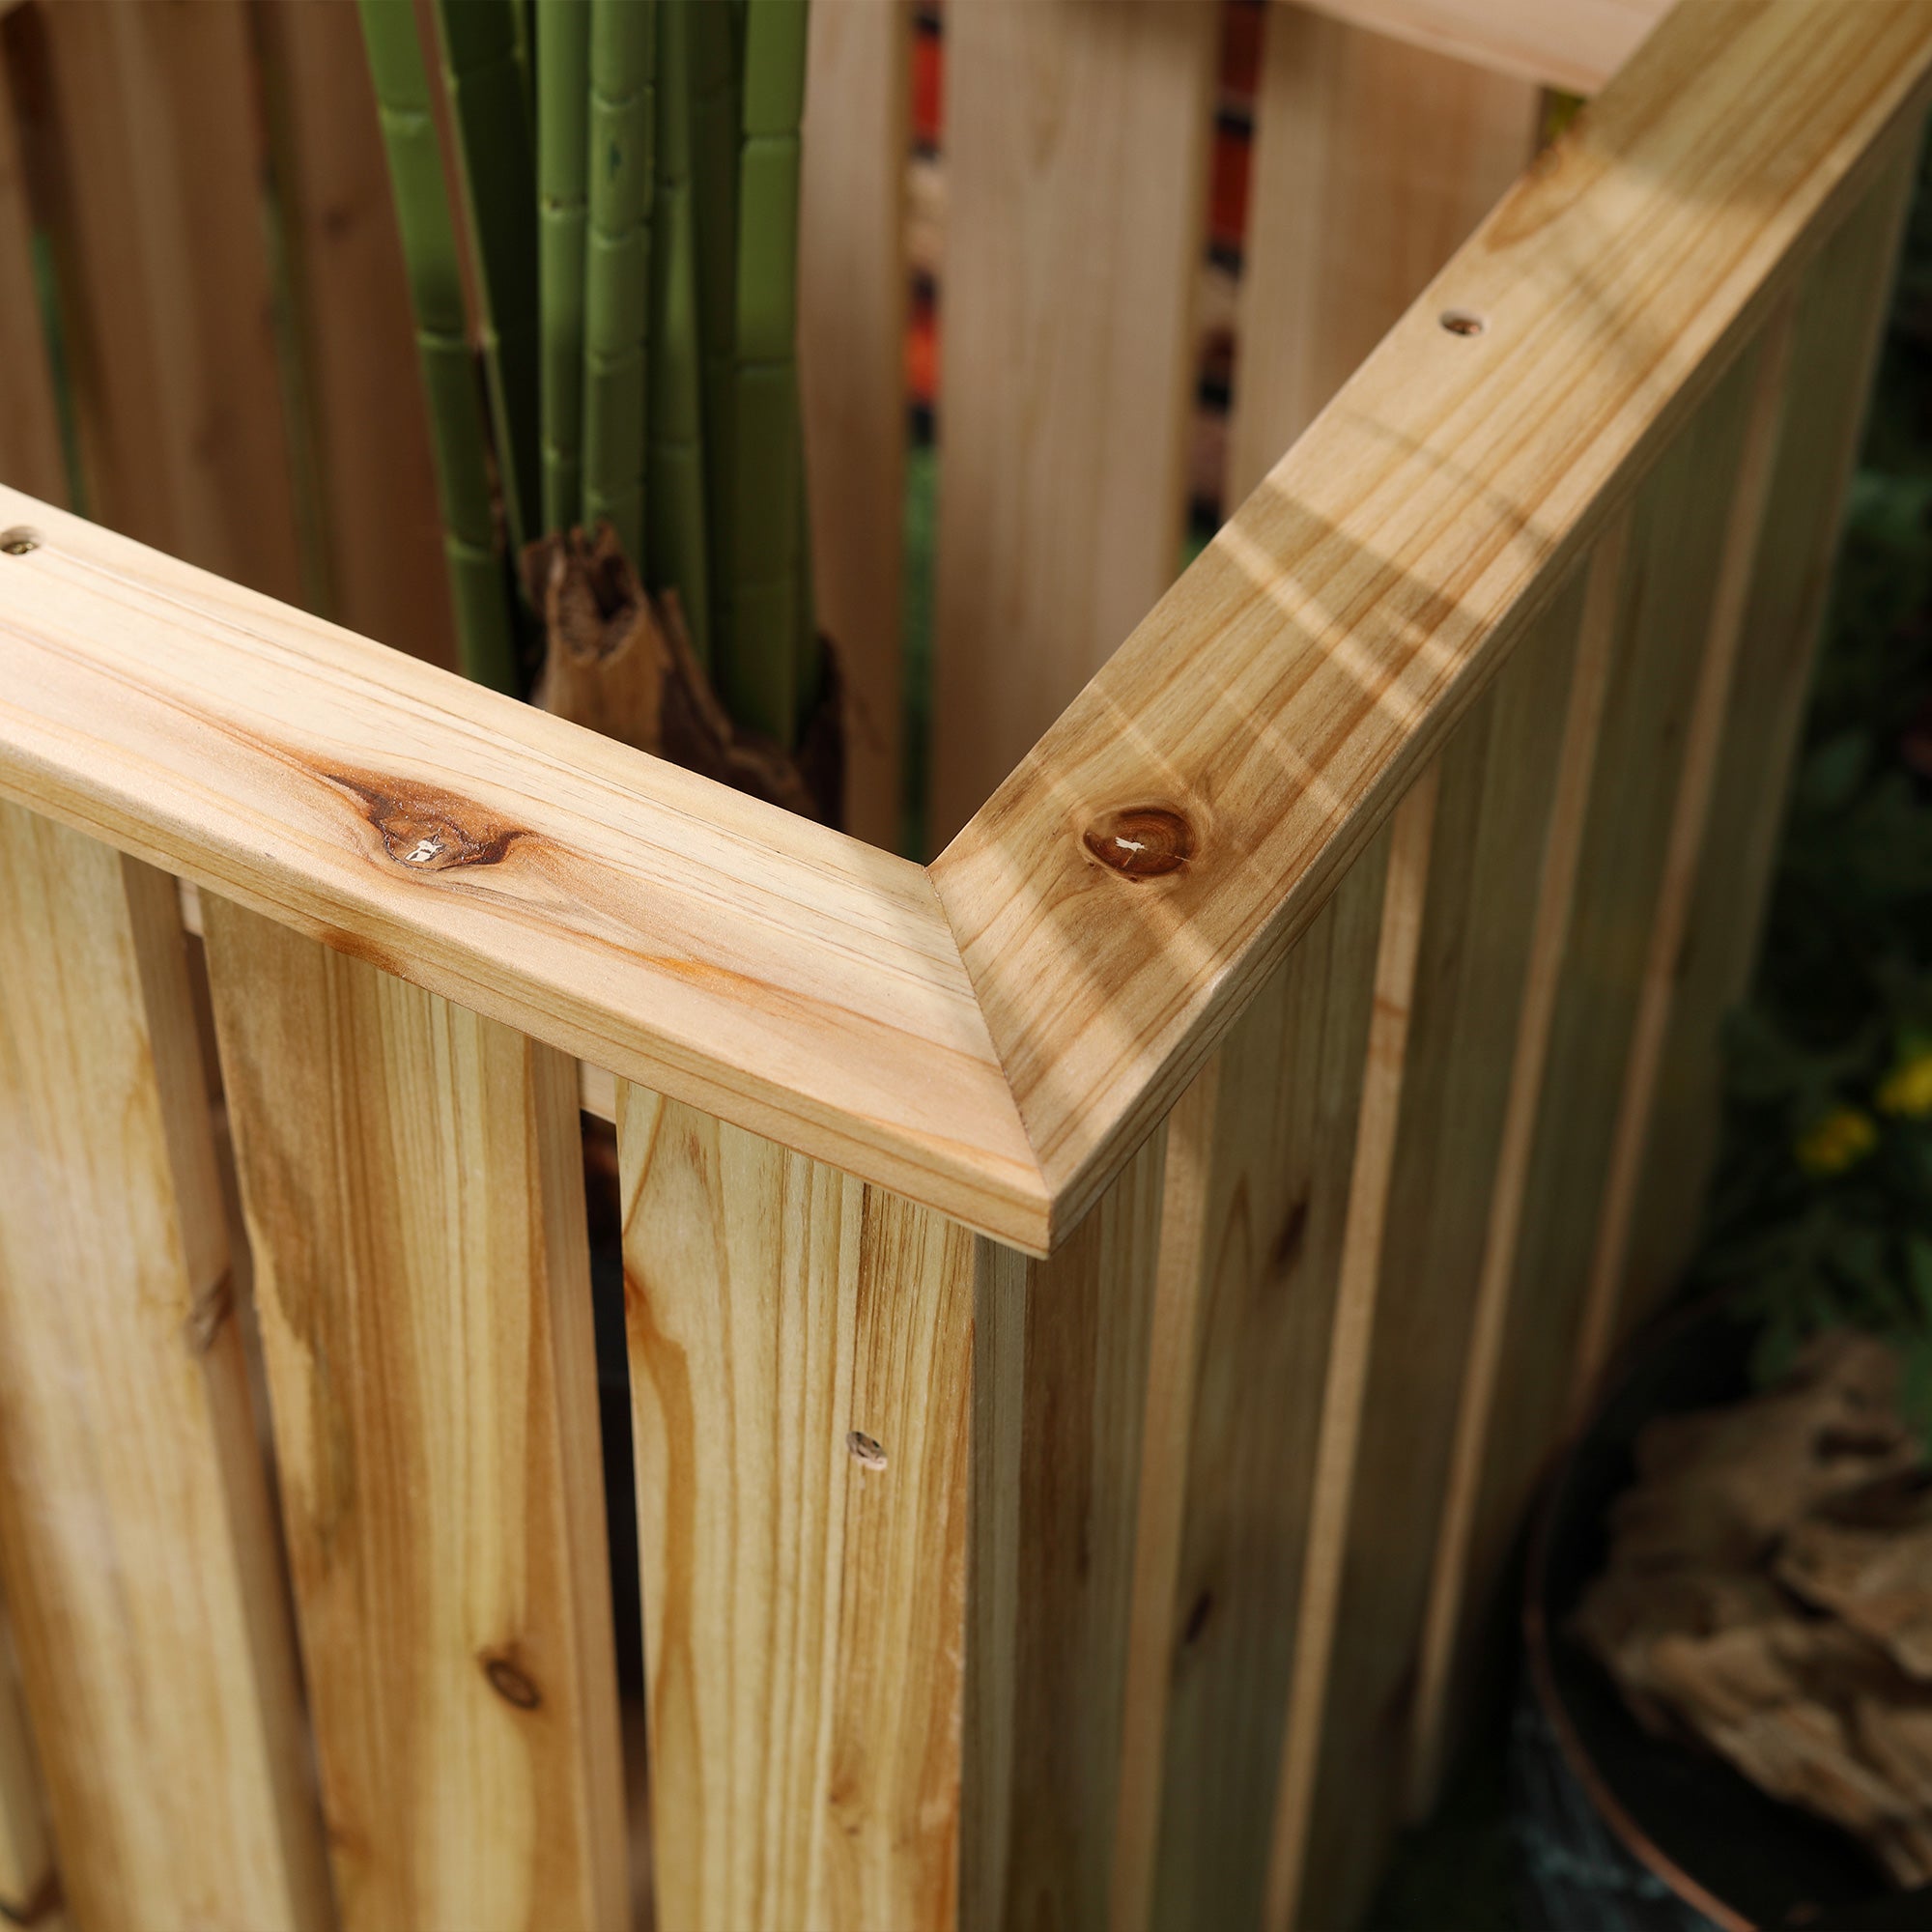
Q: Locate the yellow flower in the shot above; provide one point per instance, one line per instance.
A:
(1908, 1088)
(1836, 1141)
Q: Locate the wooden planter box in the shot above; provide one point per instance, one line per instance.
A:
(1098, 1304)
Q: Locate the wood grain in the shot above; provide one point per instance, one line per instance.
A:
(413, 1181)
(1076, 149)
(30, 1887)
(1573, 44)
(135, 1536)
(1260, 1156)
(804, 1584)
(1373, 161)
(1275, 704)
(852, 303)
(177, 387)
(1837, 325)
(1060, 1383)
(631, 914)
(365, 422)
(31, 457)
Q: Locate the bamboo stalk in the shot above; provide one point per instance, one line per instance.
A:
(479, 583)
(490, 106)
(563, 68)
(617, 287)
(677, 534)
(772, 659)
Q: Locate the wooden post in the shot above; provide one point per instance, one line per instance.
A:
(413, 1180)
(135, 1537)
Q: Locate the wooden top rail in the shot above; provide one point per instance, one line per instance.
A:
(1132, 882)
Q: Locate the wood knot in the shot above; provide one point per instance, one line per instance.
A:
(509, 1681)
(427, 829)
(1140, 842)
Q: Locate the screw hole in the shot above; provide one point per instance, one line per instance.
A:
(1463, 322)
(17, 542)
(866, 1453)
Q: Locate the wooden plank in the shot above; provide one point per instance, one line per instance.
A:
(801, 1360)
(1515, 1398)
(1076, 146)
(1257, 728)
(31, 457)
(135, 1535)
(1060, 1388)
(1253, 1226)
(1573, 44)
(413, 1181)
(643, 919)
(1373, 161)
(1840, 320)
(1733, 564)
(1510, 809)
(367, 424)
(177, 384)
(30, 1887)
(852, 304)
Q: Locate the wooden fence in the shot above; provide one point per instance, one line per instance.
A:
(1097, 1306)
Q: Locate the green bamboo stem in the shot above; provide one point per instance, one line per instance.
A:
(563, 70)
(618, 285)
(479, 583)
(490, 106)
(773, 652)
(677, 533)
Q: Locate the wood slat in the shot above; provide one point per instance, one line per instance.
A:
(366, 423)
(852, 298)
(1253, 1225)
(801, 1361)
(630, 913)
(30, 1887)
(135, 1536)
(1373, 161)
(1060, 1387)
(1837, 325)
(31, 457)
(413, 1180)
(1257, 728)
(177, 384)
(1076, 145)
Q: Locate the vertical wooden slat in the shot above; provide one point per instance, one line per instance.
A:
(801, 1353)
(1059, 1370)
(29, 1890)
(30, 446)
(1259, 1154)
(1373, 161)
(413, 1181)
(1510, 796)
(1076, 142)
(367, 426)
(177, 385)
(1837, 325)
(1516, 1386)
(852, 297)
(135, 1537)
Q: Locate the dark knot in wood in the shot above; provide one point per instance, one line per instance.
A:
(1140, 842)
(425, 828)
(508, 1682)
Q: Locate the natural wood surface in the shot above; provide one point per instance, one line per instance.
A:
(411, 1177)
(30, 1888)
(1076, 151)
(1573, 44)
(1510, 806)
(135, 1537)
(31, 458)
(1373, 161)
(1260, 1154)
(643, 918)
(852, 300)
(1060, 1383)
(365, 424)
(177, 387)
(1838, 322)
(801, 1362)
(1258, 726)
